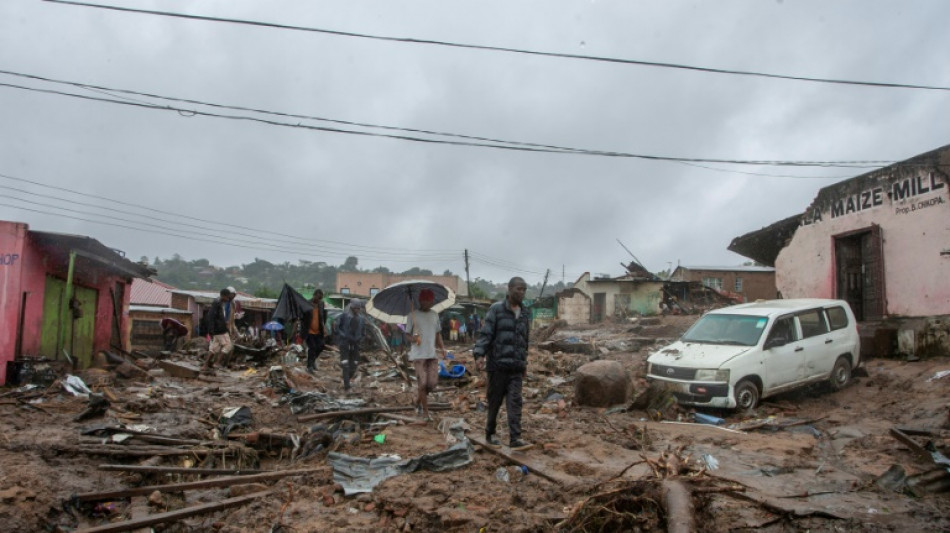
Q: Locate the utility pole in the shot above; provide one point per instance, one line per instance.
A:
(468, 280)
(543, 285)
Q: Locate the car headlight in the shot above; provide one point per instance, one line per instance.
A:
(649, 368)
(712, 374)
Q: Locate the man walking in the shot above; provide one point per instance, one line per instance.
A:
(314, 322)
(219, 320)
(423, 325)
(349, 335)
(503, 342)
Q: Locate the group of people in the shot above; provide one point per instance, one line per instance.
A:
(501, 348)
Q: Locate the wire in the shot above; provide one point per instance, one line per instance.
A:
(264, 246)
(694, 68)
(356, 248)
(522, 147)
(258, 241)
(160, 231)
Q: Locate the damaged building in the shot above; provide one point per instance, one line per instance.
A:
(880, 241)
(62, 297)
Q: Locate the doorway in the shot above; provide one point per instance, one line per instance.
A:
(600, 307)
(859, 263)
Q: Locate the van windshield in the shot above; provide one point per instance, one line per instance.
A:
(739, 330)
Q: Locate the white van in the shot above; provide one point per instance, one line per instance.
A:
(734, 356)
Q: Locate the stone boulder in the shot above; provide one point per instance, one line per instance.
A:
(601, 384)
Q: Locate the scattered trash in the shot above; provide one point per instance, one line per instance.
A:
(318, 402)
(380, 438)
(455, 372)
(235, 417)
(98, 405)
(360, 474)
(76, 386)
(553, 396)
(502, 475)
(702, 418)
(894, 479)
(711, 462)
(939, 375)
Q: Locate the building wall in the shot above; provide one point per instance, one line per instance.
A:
(12, 238)
(573, 307)
(360, 283)
(22, 292)
(911, 204)
(755, 285)
(623, 297)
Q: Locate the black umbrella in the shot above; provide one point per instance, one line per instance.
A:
(394, 303)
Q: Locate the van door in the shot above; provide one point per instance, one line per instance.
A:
(842, 334)
(784, 365)
(819, 356)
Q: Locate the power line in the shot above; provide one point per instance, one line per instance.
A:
(409, 40)
(523, 147)
(239, 243)
(257, 241)
(354, 248)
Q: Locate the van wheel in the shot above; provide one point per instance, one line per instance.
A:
(840, 374)
(746, 394)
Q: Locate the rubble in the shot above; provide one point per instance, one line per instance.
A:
(159, 452)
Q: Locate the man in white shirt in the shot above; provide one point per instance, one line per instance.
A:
(423, 327)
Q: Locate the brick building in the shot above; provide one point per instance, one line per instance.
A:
(369, 283)
(748, 282)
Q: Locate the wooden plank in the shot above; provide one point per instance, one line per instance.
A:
(188, 485)
(367, 411)
(172, 516)
(518, 461)
(180, 470)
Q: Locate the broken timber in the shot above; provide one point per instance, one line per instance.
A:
(365, 411)
(172, 516)
(180, 487)
(515, 461)
(180, 470)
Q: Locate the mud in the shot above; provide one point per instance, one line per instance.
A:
(826, 466)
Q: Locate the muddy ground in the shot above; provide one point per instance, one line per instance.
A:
(816, 476)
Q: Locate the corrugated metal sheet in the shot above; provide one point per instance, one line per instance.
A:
(153, 293)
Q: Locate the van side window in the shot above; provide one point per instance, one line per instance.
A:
(784, 327)
(813, 323)
(838, 317)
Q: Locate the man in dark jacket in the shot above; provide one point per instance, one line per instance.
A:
(503, 342)
(313, 324)
(218, 323)
(348, 338)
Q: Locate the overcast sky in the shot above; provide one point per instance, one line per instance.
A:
(399, 203)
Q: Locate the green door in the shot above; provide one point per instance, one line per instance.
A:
(52, 304)
(79, 332)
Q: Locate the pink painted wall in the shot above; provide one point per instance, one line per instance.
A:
(33, 282)
(23, 269)
(915, 230)
(12, 239)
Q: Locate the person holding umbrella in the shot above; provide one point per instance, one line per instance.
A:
(423, 326)
(349, 335)
(503, 343)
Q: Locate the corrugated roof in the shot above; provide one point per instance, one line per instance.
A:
(156, 309)
(729, 268)
(151, 293)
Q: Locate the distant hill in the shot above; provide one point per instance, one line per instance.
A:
(264, 279)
